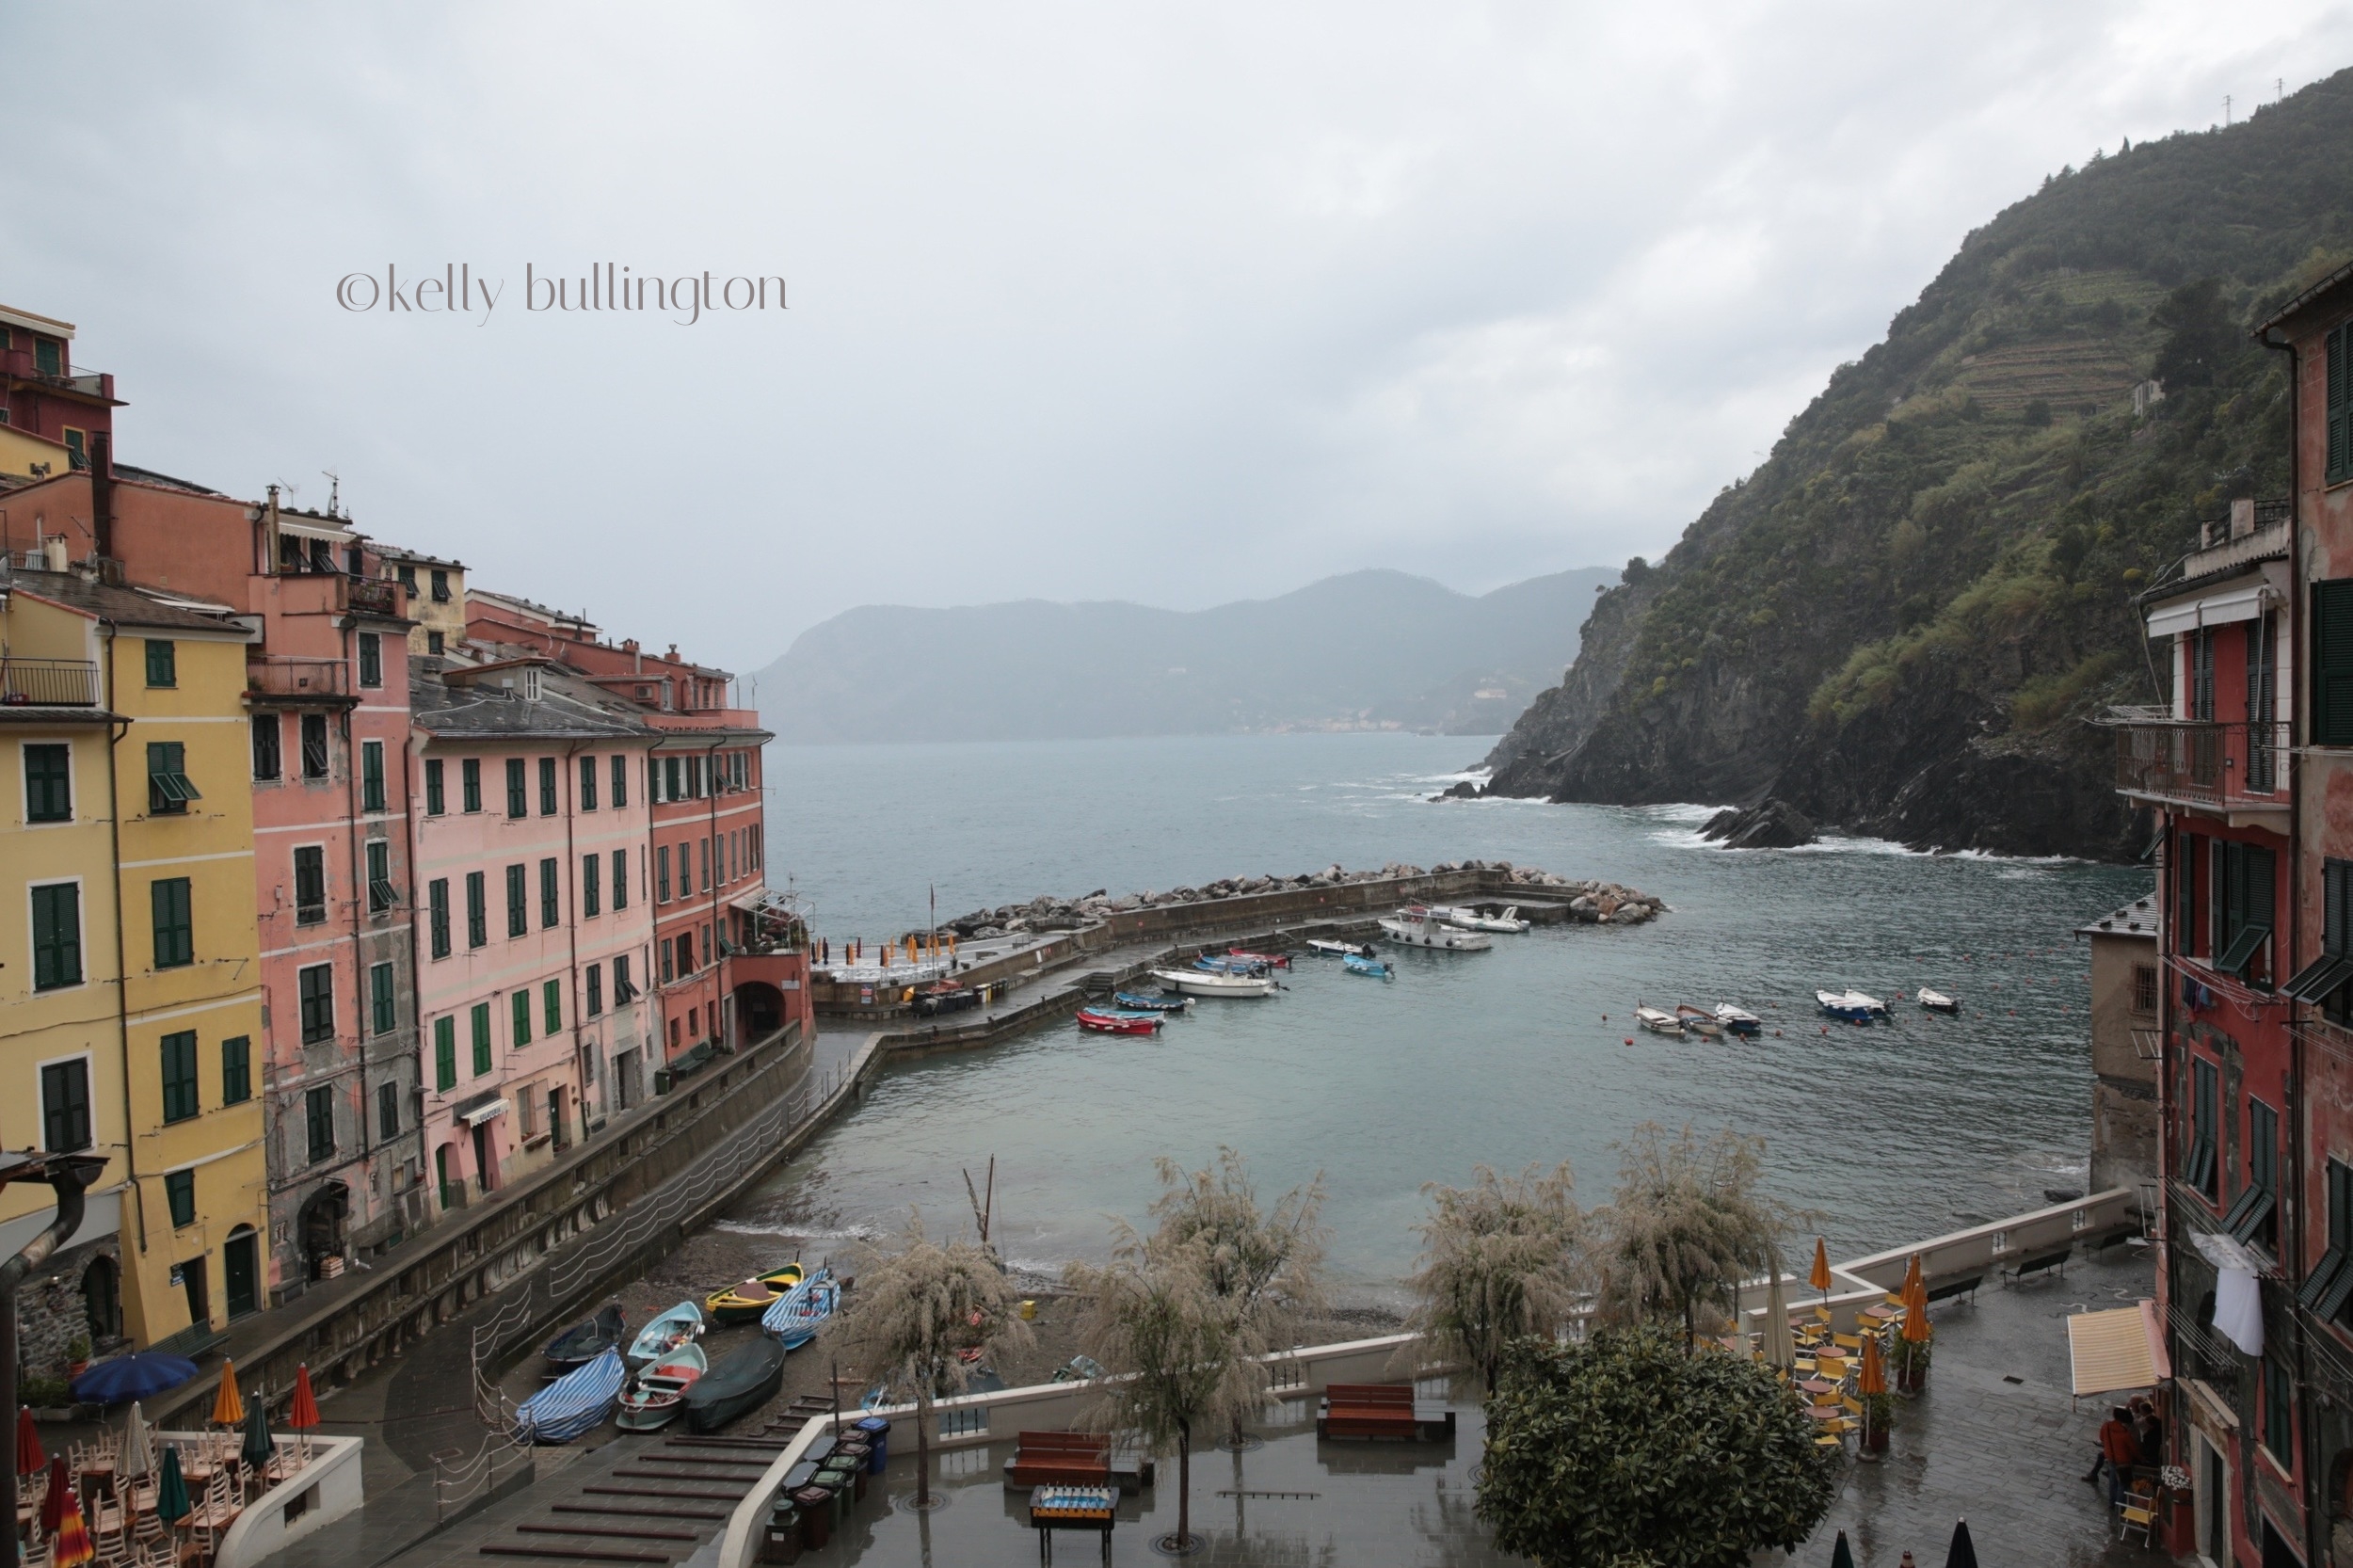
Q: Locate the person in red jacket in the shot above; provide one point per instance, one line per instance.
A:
(2119, 1451)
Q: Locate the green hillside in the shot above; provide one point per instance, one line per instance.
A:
(1902, 620)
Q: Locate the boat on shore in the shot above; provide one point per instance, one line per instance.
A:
(1106, 1022)
(739, 1382)
(1937, 1001)
(1150, 1001)
(1329, 949)
(584, 1342)
(1473, 920)
(660, 1392)
(1417, 927)
(1738, 1020)
(1356, 963)
(574, 1404)
(744, 1303)
(796, 1319)
(1201, 983)
(1657, 1020)
(658, 1339)
(1698, 1021)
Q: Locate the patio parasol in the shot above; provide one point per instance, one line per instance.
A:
(139, 1376)
(1963, 1553)
(69, 1543)
(1842, 1554)
(138, 1448)
(1873, 1378)
(1819, 1278)
(302, 1414)
(29, 1457)
(171, 1490)
(1780, 1350)
(1914, 1284)
(259, 1447)
(1915, 1327)
(228, 1410)
(60, 1492)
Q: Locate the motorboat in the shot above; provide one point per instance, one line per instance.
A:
(1473, 920)
(1215, 964)
(1937, 1001)
(1356, 963)
(660, 1391)
(1418, 927)
(1272, 960)
(796, 1319)
(666, 1334)
(1698, 1021)
(1738, 1020)
(1150, 1001)
(1871, 1007)
(1852, 1006)
(584, 1342)
(744, 1302)
(739, 1382)
(1657, 1020)
(1337, 950)
(1103, 1021)
(574, 1404)
(1200, 982)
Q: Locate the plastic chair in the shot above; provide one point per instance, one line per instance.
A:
(1848, 1341)
(2135, 1517)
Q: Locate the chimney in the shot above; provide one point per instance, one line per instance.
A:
(2242, 517)
(101, 492)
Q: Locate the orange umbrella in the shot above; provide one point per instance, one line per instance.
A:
(1819, 1278)
(304, 1412)
(228, 1410)
(69, 1543)
(1916, 1320)
(1873, 1378)
(1914, 1284)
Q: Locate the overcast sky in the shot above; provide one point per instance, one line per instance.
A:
(1174, 303)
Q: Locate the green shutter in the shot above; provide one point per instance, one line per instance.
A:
(2333, 662)
(444, 1054)
(552, 999)
(481, 1038)
(521, 1000)
(2340, 400)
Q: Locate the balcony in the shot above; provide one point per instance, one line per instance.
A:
(276, 679)
(2237, 770)
(371, 595)
(49, 683)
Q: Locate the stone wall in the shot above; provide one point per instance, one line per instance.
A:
(51, 1312)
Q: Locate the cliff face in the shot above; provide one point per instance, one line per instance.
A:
(1904, 621)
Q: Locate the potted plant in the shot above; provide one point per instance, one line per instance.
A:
(1909, 1362)
(1879, 1417)
(77, 1356)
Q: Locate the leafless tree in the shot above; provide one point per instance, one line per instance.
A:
(1499, 1259)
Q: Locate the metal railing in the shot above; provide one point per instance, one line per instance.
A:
(49, 683)
(375, 596)
(2207, 763)
(276, 676)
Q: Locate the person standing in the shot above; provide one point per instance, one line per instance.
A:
(2120, 1450)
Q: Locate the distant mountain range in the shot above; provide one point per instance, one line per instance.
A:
(1366, 650)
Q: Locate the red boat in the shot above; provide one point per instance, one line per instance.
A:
(1118, 1023)
(1273, 960)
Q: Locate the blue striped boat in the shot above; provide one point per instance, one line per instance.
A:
(796, 1319)
(1358, 964)
(1144, 1001)
(573, 1403)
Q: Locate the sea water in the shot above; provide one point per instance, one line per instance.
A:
(1889, 1132)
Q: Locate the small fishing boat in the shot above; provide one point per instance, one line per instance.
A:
(1657, 1020)
(584, 1342)
(1417, 927)
(1738, 1020)
(1272, 960)
(573, 1403)
(1150, 1001)
(1937, 1001)
(1105, 1022)
(1698, 1021)
(1337, 950)
(744, 1302)
(660, 1392)
(666, 1334)
(1834, 1004)
(1356, 963)
(796, 1319)
(1216, 965)
(743, 1379)
(1473, 920)
(1198, 982)
(1870, 1007)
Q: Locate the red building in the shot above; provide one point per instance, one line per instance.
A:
(68, 415)
(728, 965)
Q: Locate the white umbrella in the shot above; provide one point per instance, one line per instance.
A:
(1780, 1350)
(139, 1448)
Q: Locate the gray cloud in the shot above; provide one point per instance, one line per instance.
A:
(1180, 304)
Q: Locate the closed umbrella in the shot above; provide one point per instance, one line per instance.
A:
(171, 1490)
(259, 1447)
(1819, 1278)
(302, 1411)
(1873, 1378)
(228, 1410)
(1915, 1321)
(69, 1543)
(139, 1448)
(1963, 1553)
(1842, 1554)
(29, 1457)
(1780, 1349)
(1914, 1284)
(60, 1493)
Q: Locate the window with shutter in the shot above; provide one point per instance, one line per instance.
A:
(2184, 868)
(2340, 405)
(2333, 662)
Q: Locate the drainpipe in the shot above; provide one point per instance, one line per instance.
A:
(122, 973)
(68, 1176)
(718, 876)
(572, 934)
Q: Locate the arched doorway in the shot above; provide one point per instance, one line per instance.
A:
(102, 1298)
(322, 1226)
(758, 1009)
(241, 1271)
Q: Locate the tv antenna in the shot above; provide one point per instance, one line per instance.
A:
(334, 491)
(2226, 108)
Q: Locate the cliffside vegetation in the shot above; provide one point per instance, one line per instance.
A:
(1903, 620)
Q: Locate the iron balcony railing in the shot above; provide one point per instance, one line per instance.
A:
(49, 683)
(280, 677)
(2204, 764)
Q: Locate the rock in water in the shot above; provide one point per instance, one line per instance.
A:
(1772, 824)
(1466, 789)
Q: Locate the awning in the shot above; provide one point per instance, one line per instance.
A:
(2109, 1351)
(2243, 601)
(482, 1113)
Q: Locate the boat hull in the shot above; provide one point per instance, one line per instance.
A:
(1116, 1023)
(1434, 935)
(666, 1334)
(1201, 983)
(743, 1381)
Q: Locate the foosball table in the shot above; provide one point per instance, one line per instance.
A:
(1071, 1508)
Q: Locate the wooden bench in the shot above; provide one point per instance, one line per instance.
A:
(1952, 1288)
(1060, 1459)
(2042, 1262)
(1380, 1410)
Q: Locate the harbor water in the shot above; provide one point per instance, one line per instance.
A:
(1519, 1054)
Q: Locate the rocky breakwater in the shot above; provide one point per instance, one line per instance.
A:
(1591, 901)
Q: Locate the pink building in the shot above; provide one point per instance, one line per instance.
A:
(534, 918)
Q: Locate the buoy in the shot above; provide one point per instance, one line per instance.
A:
(1826, 1029)
(1629, 1039)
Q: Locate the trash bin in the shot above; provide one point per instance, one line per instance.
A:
(816, 1507)
(860, 1455)
(783, 1542)
(846, 1473)
(660, 1081)
(877, 1432)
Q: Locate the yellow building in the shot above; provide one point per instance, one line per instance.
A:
(129, 965)
(437, 594)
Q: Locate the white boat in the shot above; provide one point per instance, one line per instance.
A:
(1471, 920)
(1418, 927)
(1338, 949)
(1870, 1007)
(1853, 1006)
(1937, 1001)
(1206, 983)
(1657, 1020)
(1738, 1020)
(1699, 1021)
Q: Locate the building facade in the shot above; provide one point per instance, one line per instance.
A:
(52, 417)
(2125, 1050)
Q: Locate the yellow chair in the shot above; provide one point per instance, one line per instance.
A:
(2133, 1518)
(1838, 1424)
(1829, 1442)
(1821, 1314)
(1895, 1297)
(1850, 1341)
(1854, 1407)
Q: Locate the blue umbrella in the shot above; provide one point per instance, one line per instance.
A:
(141, 1376)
